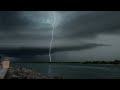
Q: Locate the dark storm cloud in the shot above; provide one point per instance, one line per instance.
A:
(31, 52)
(91, 24)
(21, 25)
(15, 20)
(77, 48)
(23, 52)
(78, 23)
(19, 29)
(12, 20)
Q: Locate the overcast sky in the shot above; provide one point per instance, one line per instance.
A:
(78, 35)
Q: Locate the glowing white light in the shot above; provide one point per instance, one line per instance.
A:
(52, 35)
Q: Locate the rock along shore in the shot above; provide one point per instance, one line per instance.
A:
(18, 72)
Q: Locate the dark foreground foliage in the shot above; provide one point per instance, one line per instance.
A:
(102, 62)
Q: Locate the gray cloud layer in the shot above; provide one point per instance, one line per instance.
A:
(33, 28)
(27, 52)
(91, 24)
(74, 24)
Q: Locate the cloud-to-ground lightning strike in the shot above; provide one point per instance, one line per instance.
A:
(52, 35)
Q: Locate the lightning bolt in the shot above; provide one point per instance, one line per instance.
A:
(52, 35)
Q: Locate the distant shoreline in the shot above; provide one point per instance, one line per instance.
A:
(85, 62)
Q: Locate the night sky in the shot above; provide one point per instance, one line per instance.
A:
(78, 35)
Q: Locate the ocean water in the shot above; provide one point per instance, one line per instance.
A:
(76, 70)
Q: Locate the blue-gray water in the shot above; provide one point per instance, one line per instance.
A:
(76, 71)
